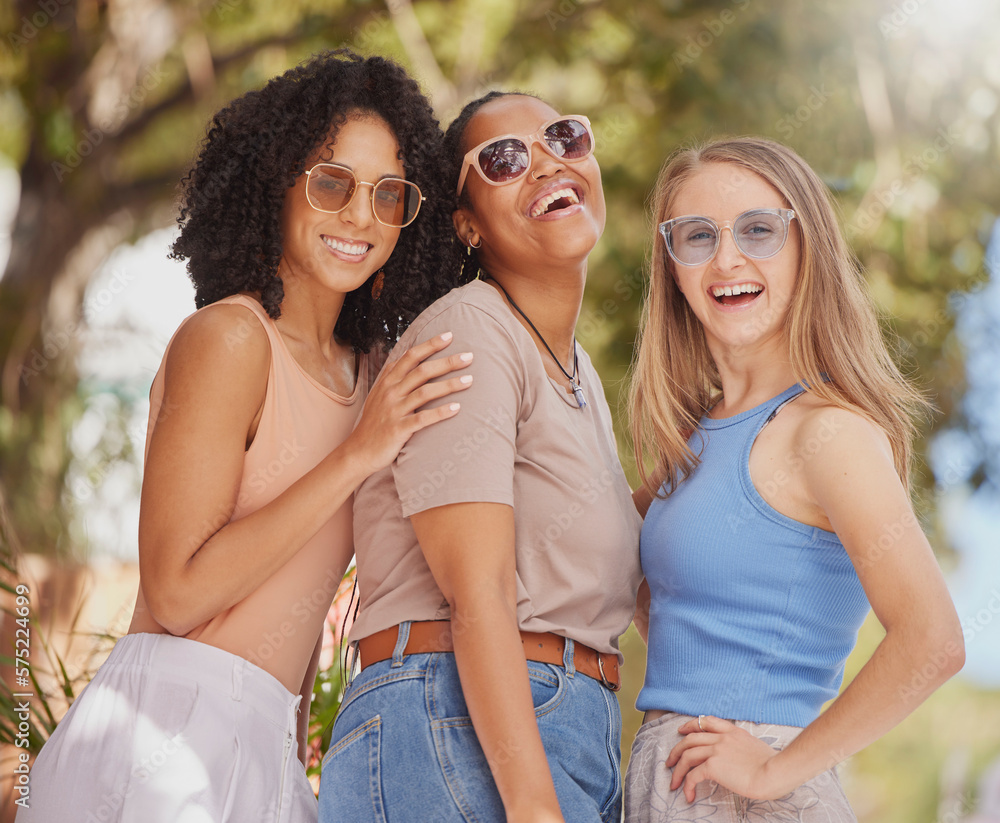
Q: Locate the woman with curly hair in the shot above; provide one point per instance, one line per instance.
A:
(316, 225)
(780, 431)
(498, 558)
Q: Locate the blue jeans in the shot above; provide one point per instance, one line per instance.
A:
(404, 749)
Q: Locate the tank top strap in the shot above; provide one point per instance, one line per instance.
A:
(262, 316)
(284, 362)
(773, 406)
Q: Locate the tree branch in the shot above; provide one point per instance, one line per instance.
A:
(441, 90)
(186, 92)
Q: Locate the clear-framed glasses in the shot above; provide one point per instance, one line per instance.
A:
(502, 160)
(331, 187)
(759, 233)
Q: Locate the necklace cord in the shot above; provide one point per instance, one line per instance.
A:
(573, 378)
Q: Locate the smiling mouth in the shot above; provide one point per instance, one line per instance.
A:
(557, 200)
(739, 294)
(353, 249)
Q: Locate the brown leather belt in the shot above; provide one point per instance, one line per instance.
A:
(428, 636)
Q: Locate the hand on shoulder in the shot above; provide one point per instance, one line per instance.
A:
(394, 408)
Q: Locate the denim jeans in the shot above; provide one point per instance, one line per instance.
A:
(404, 750)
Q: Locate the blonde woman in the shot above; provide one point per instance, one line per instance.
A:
(779, 511)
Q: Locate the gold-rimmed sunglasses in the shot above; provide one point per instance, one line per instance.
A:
(331, 187)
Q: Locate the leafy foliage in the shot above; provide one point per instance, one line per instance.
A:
(895, 104)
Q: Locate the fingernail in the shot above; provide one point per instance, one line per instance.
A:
(454, 407)
(446, 336)
(466, 378)
(465, 358)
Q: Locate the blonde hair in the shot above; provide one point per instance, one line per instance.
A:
(836, 346)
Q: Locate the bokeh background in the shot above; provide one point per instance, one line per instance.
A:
(103, 104)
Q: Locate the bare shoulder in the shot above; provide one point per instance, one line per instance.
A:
(222, 341)
(838, 437)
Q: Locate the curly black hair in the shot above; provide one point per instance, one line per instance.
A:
(259, 144)
(454, 144)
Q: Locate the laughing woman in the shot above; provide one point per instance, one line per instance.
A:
(309, 241)
(498, 562)
(781, 432)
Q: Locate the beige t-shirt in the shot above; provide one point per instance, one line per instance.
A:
(520, 439)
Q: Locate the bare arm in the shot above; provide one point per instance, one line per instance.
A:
(481, 590)
(193, 562)
(641, 618)
(856, 486)
(642, 500)
(305, 704)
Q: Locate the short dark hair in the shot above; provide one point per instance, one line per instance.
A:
(454, 142)
(258, 145)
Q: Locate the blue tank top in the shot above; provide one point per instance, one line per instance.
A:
(753, 614)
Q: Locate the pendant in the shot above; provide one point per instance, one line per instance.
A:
(581, 401)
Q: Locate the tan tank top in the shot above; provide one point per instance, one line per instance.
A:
(301, 422)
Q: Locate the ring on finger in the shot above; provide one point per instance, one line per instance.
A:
(700, 718)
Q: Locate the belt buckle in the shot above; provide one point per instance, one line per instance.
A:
(604, 680)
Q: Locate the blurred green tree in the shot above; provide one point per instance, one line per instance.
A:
(106, 104)
(103, 109)
(102, 106)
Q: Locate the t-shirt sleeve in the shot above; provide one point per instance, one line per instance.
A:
(468, 458)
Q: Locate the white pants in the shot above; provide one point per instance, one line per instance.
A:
(173, 731)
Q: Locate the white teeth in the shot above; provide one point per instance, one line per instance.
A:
(740, 288)
(347, 248)
(550, 198)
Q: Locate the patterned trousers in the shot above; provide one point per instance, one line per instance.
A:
(649, 799)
